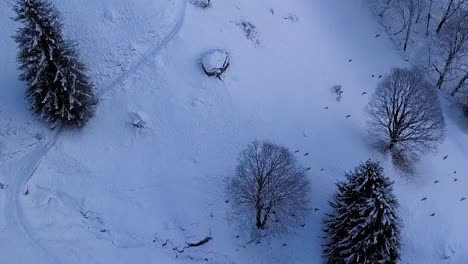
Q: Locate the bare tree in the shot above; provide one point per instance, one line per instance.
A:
(405, 113)
(270, 189)
(408, 10)
(452, 44)
(452, 7)
(386, 6)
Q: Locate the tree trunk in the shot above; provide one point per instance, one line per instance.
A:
(460, 84)
(408, 33)
(259, 218)
(429, 17)
(443, 74)
(445, 17)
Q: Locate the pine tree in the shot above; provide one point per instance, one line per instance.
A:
(58, 88)
(364, 226)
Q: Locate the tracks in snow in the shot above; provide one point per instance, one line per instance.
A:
(25, 168)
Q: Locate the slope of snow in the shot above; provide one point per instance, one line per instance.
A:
(115, 192)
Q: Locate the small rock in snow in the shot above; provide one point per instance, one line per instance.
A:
(378, 35)
(284, 244)
(297, 150)
(350, 60)
(307, 154)
(462, 199)
(455, 180)
(436, 181)
(380, 76)
(216, 62)
(445, 157)
(432, 214)
(424, 199)
(364, 93)
(348, 116)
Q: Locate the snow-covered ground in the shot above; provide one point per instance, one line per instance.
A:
(150, 168)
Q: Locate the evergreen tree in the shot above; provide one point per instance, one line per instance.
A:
(364, 226)
(58, 88)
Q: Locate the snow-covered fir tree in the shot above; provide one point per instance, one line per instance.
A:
(364, 227)
(58, 87)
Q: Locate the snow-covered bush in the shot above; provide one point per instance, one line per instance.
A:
(269, 191)
(364, 226)
(58, 88)
(201, 3)
(405, 113)
(216, 62)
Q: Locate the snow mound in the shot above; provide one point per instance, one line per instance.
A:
(216, 62)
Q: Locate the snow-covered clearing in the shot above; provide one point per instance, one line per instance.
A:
(115, 192)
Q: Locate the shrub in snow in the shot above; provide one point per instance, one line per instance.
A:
(58, 88)
(201, 3)
(364, 227)
(139, 120)
(216, 62)
(405, 113)
(250, 31)
(338, 91)
(269, 189)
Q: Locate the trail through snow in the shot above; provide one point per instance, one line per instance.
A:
(25, 167)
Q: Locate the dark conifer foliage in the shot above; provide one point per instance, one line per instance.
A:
(364, 225)
(58, 88)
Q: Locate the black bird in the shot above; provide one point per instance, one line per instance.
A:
(424, 199)
(363, 93)
(350, 60)
(378, 35)
(284, 244)
(373, 75)
(326, 107)
(436, 181)
(307, 154)
(380, 76)
(462, 199)
(445, 157)
(432, 214)
(455, 180)
(308, 169)
(348, 116)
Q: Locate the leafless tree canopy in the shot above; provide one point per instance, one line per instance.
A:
(270, 189)
(452, 43)
(405, 112)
